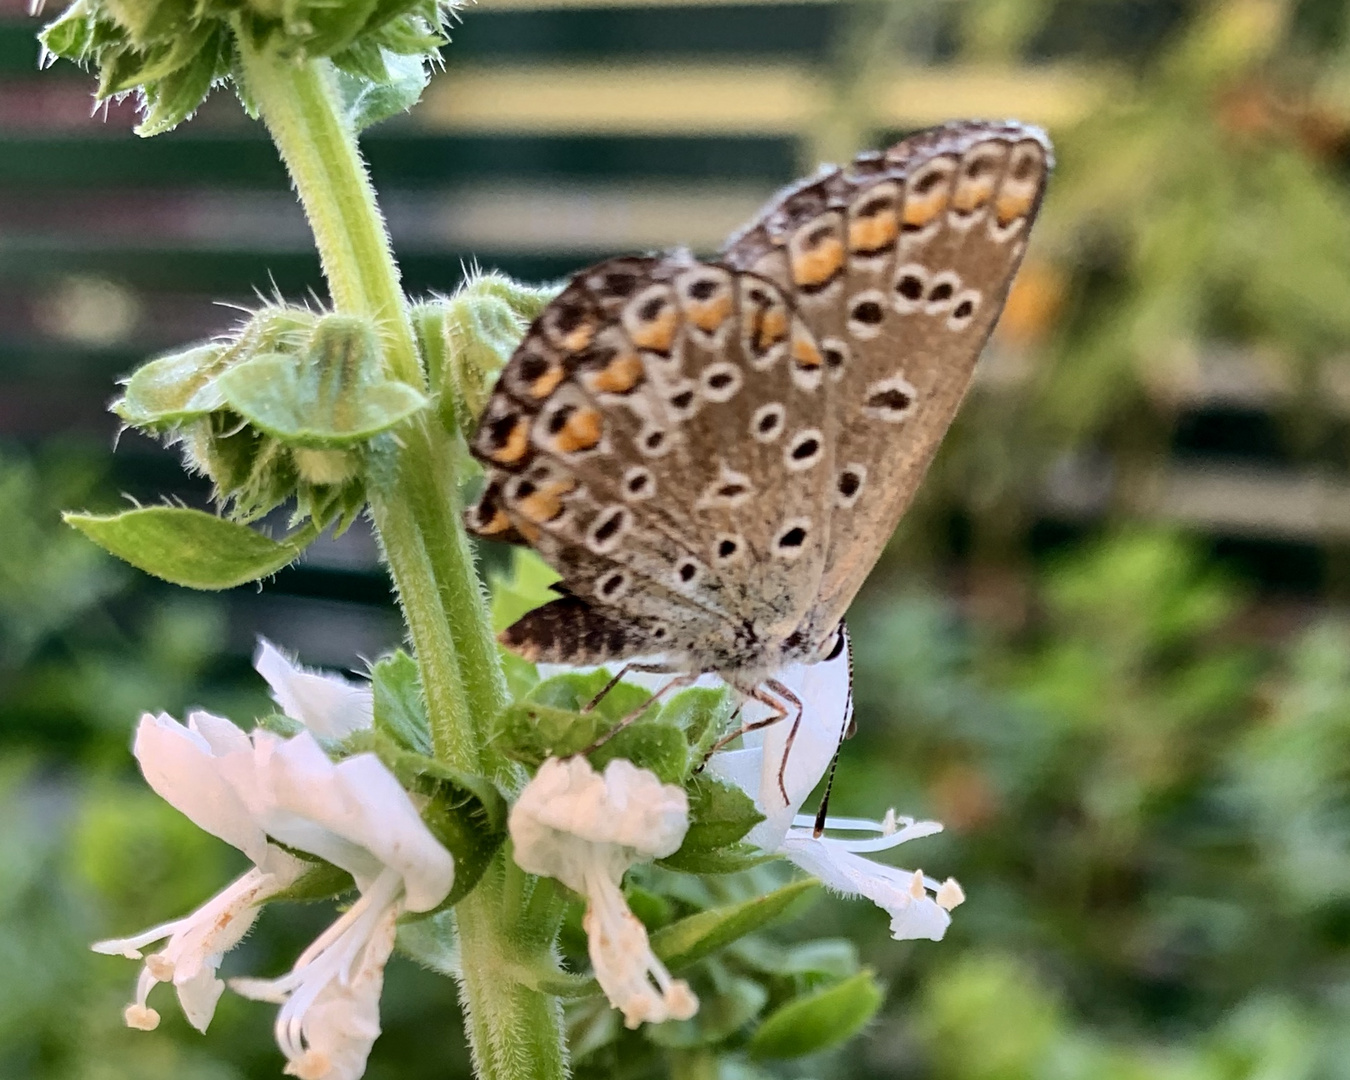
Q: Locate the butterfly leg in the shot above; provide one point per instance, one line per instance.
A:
(677, 683)
(783, 704)
(629, 668)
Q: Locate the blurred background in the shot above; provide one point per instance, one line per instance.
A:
(1109, 647)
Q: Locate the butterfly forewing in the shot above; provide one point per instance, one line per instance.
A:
(712, 455)
(900, 263)
(659, 438)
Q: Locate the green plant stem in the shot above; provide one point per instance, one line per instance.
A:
(516, 1032)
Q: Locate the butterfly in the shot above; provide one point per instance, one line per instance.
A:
(713, 454)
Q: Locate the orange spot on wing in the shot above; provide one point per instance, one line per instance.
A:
(530, 531)
(547, 382)
(658, 334)
(920, 210)
(500, 523)
(773, 328)
(619, 376)
(972, 194)
(545, 504)
(874, 232)
(578, 338)
(708, 315)
(1012, 205)
(581, 432)
(804, 352)
(514, 446)
(813, 268)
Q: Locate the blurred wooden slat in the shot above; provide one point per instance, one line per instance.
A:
(765, 98)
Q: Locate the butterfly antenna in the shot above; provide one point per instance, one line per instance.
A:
(825, 799)
(845, 732)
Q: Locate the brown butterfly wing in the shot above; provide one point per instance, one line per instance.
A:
(899, 264)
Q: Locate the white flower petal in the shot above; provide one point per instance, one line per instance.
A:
(585, 829)
(354, 814)
(825, 691)
(183, 767)
(329, 705)
(912, 916)
(569, 816)
(329, 1016)
(196, 944)
(634, 981)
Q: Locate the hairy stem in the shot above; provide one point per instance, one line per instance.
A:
(516, 1031)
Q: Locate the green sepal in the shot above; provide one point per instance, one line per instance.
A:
(529, 732)
(400, 711)
(727, 860)
(702, 712)
(430, 940)
(376, 85)
(174, 389)
(466, 813)
(649, 743)
(148, 21)
(692, 938)
(333, 27)
(173, 98)
(191, 547)
(321, 881)
(158, 62)
(550, 723)
(71, 35)
(457, 820)
(720, 814)
(818, 1020)
(334, 396)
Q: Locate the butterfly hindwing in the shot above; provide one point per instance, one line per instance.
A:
(900, 264)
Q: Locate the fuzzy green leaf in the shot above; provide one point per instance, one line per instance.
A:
(367, 98)
(691, 939)
(71, 36)
(399, 709)
(719, 815)
(190, 547)
(173, 98)
(819, 1020)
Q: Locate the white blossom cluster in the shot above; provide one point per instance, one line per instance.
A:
(271, 796)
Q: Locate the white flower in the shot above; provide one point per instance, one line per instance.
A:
(330, 706)
(586, 830)
(918, 905)
(182, 765)
(354, 814)
(252, 790)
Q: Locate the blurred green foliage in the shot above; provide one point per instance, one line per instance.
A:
(1147, 790)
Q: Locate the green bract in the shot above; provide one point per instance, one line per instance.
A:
(171, 52)
(291, 405)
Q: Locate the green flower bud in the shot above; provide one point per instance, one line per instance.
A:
(292, 406)
(171, 52)
(468, 337)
